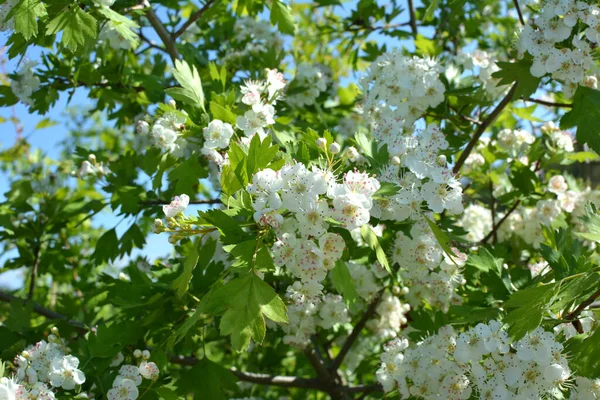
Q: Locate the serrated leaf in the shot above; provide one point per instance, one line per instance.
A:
(25, 14)
(222, 113)
(441, 237)
(585, 115)
(281, 15)
(45, 123)
(180, 284)
(78, 27)
(518, 71)
(216, 381)
(529, 306)
(371, 239)
(191, 91)
(122, 24)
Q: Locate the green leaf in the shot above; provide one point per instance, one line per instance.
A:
(281, 15)
(485, 261)
(107, 247)
(191, 91)
(585, 115)
(222, 113)
(122, 24)
(249, 300)
(441, 237)
(45, 123)
(342, 280)
(529, 306)
(387, 189)
(430, 10)
(79, 27)
(518, 71)
(25, 14)
(230, 230)
(371, 239)
(584, 354)
(180, 284)
(215, 381)
(523, 178)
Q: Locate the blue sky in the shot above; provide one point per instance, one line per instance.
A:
(48, 139)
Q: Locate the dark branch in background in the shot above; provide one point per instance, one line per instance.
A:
(150, 43)
(355, 332)
(34, 271)
(573, 316)
(161, 202)
(484, 125)
(197, 15)
(38, 309)
(497, 226)
(549, 103)
(519, 11)
(282, 381)
(493, 209)
(161, 31)
(413, 18)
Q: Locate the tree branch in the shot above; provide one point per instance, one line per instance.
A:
(484, 125)
(549, 103)
(573, 316)
(161, 202)
(161, 31)
(355, 332)
(282, 381)
(197, 15)
(38, 309)
(34, 271)
(519, 11)
(413, 18)
(497, 226)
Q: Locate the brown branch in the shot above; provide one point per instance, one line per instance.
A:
(161, 202)
(484, 125)
(34, 271)
(197, 15)
(366, 389)
(413, 18)
(282, 381)
(549, 103)
(38, 309)
(573, 316)
(355, 332)
(161, 31)
(496, 227)
(493, 209)
(519, 12)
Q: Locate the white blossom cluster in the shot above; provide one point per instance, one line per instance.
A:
(125, 384)
(544, 38)
(310, 81)
(430, 275)
(391, 316)
(112, 36)
(398, 90)
(166, 132)
(477, 65)
(559, 139)
(91, 167)
(42, 368)
(5, 9)
(515, 141)
(305, 316)
(481, 361)
(255, 36)
(26, 82)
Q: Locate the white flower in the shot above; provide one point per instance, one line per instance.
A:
(217, 134)
(118, 359)
(148, 370)
(123, 389)
(128, 372)
(557, 184)
(65, 373)
(177, 205)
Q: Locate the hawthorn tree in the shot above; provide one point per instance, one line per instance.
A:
(362, 200)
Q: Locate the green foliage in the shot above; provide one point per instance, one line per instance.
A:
(584, 115)
(282, 16)
(518, 72)
(26, 14)
(78, 27)
(190, 91)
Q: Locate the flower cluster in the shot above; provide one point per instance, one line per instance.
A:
(515, 141)
(431, 275)
(254, 37)
(112, 36)
(479, 66)
(481, 360)
(166, 132)
(125, 384)
(391, 316)
(544, 39)
(398, 90)
(42, 367)
(559, 139)
(310, 81)
(91, 167)
(26, 82)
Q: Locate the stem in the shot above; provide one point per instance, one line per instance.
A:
(519, 11)
(573, 316)
(549, 103)
(161, 31)
(34, 271)
(497, 226)
(413, 18)
(192, 19)
(493, 208)
(161, 202)
(484, 125)
(355, 332)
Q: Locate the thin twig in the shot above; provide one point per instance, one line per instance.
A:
(34, 271)
(38, 309)
(493, 209)
(366, 389)
(573, 316)
(197, 15)
(282, 381)
(355, 332)
(413, 18)
(161, 31)
(484, 125)
(550, 103)
(519, 11)
(497, 226)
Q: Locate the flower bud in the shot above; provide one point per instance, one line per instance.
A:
(396, 160)
(25, 353)
(297, 285)
(123, 277)
(404, 290)
(52, 338)
(158, 226)
(137, 353)
(334, 148)
(352, 153)
(92, 158)
(396, 290)
(441, 160)
(172, 103)
(322, 143)
(54, 330)
(145, 354)
(143, 128)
